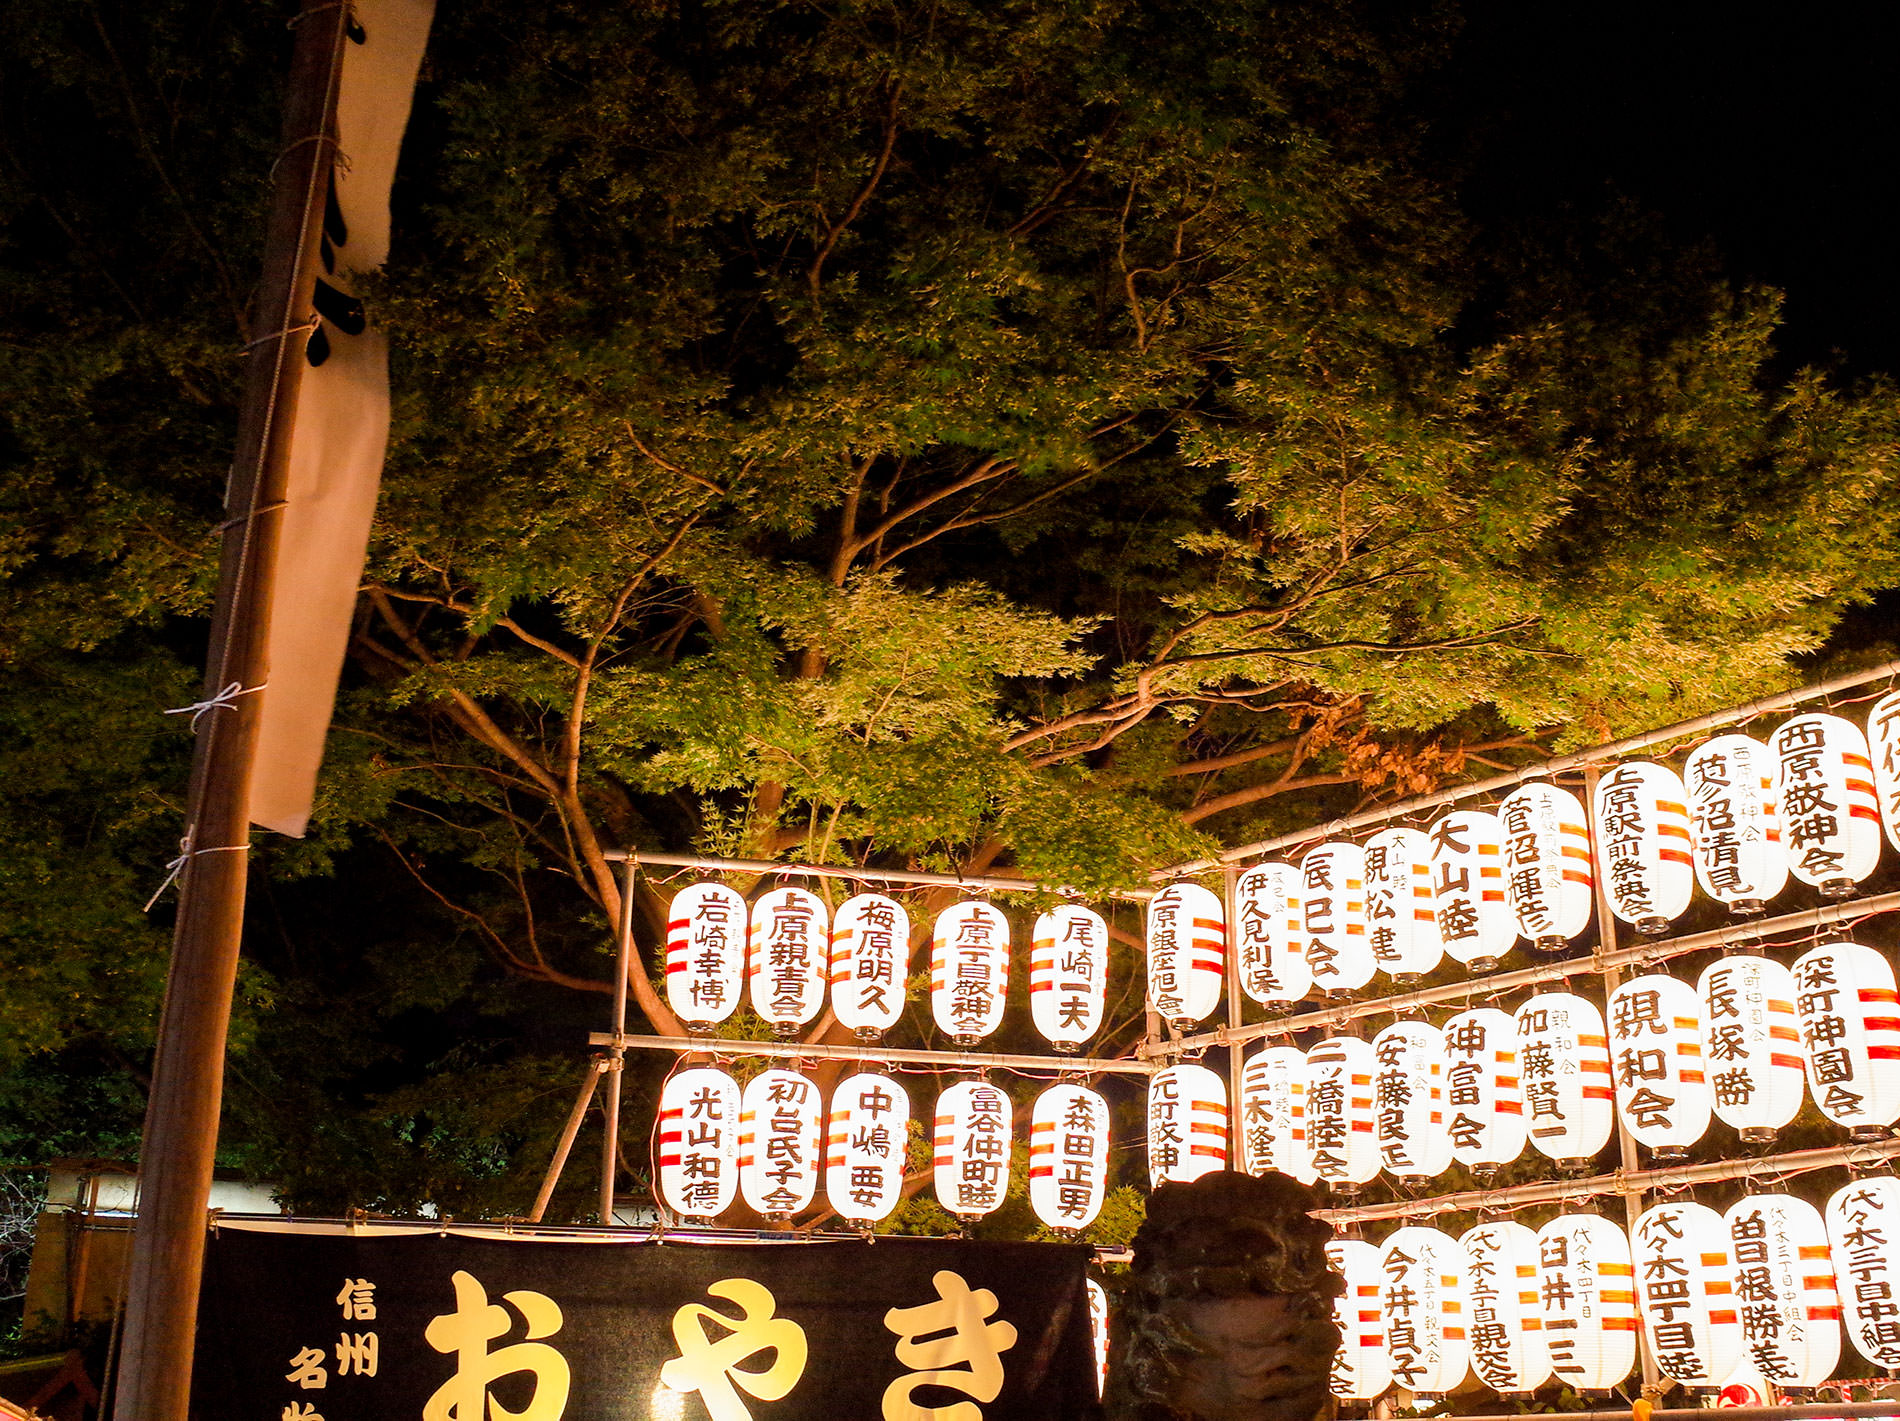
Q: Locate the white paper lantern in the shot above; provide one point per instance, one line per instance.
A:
(1643, 845)
(1685, 1286)
(1734, 822)
(1424, 1308)
(1850, 1035)
(1564, 1060)
(1751, 1043)
(1187, 1124)
(1662, 1092)
(1546, 864)
(866, 1132)
(1507, 1318)
(1883, 744)
(973, 1129)
(1401, 925)
(1474, 916)
(789, 951)
(969, 971)
(1830, 810)
(705, 954)
(1333, 906)
(870, 964)
(1273, 1113)
(1361, 1369)
(781, 1124)
(1784, 1288)
(1098, 1332)
(1863, 1220)
(1484, 1095)
(1068, 1156)
(699, 1142)
(1341, 1123)
(1187, 947)
(1068, 975)
(1270, 935)
(1408, 1092)
(1588, 1291)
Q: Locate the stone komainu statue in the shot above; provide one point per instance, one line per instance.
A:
(1228, 1311)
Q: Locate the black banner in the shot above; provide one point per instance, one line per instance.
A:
(330, 1326)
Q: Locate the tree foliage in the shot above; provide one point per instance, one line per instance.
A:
(1039, 437)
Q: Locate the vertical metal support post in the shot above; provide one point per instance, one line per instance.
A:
(1612, 978)
(1236, 1152)
(623, 963)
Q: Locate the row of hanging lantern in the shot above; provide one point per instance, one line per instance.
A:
(770, 1142)
(1741, 818)
(785, 949)
(1770, 1283)
(1744, 1044)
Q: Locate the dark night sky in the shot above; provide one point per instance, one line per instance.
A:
(1774, 132)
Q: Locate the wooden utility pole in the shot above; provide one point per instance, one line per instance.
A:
(181, 1121)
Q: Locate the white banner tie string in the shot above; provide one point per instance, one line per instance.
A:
(224, 700)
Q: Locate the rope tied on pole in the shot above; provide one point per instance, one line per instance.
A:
(225, 699)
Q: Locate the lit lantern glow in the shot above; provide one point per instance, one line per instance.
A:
(1068, 1156)
(1475, 921)
(1850, 1035)
(1408, 1092)
(698, 1126)
(1734, 822)
(1187, 947)
(1484, 1097)
(705, 954)
(1784, 1280)
(1685, 1286)
(1587, 1289)
(1340, 1120)
(1098, 1332)
(1068, 975)
(1751, 1041)
(1830, 811)
(1333, 906)
(1863, 1217)
(1361, 1369)
(780, 1119)
(1642, 824)
(789, 950)
(1507, 1319)
(866, 1131)
(969, 971)
(1401, 925)
(1424, 1310)
(1273, 1113)
(1270, 935)
(1568, 1111)
(1662, 1091)
(1187, 1124)
(870, 962)
(1546, 864)
(972, 1148)
(1883, 743)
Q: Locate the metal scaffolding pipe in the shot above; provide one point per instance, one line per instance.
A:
(1726, 1413)
(977, 882)
(1622, 1182)
(1544, 769)
(1497, 983)
(877, 1055)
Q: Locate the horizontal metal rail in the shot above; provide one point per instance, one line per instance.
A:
(1622, 1182)
(897, 1055)
(1543, 769)
(1726, 1413)
(974, 882)
(1497, 983)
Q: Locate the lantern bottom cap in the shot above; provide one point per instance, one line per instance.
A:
(1756, 1134)
(1652, 926)
(1748, 907)
(1483, 964)
(1867, 1134)
(1837, 888)
(784, 1030)
(1345, 1188)
(966, 1039)
(1066, 1048)
(868, 1034)
(1669, 1153)
(1406, 979)
(700, 1028)
(1554, 942)
(1484, 1172)
(1575, 1165)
